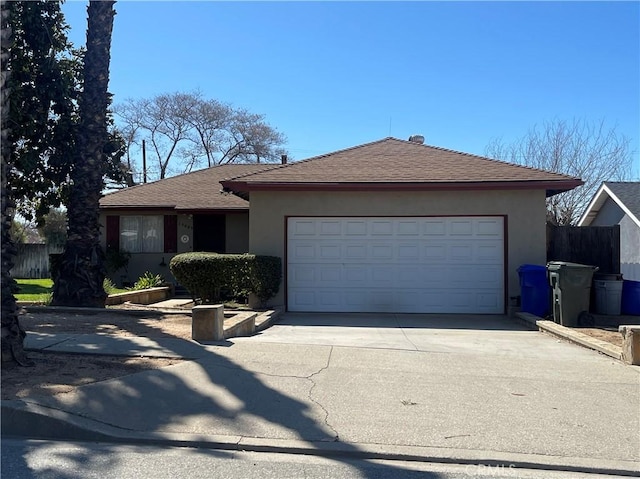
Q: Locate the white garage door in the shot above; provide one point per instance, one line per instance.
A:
(397, 264)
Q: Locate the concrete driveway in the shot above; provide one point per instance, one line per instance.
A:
(435, 333)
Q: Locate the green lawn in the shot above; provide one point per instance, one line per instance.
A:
(34, 289)
(39, 290)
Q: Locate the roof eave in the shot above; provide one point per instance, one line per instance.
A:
(598, 201)
(137, 207)
(551, 187)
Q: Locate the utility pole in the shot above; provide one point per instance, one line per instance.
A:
(144, 162)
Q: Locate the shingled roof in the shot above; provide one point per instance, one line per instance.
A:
(391, 163)
(199, 190)
(626, 194)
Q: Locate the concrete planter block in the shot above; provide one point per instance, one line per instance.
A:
(207, 323)
(241, 324)
(630, 343)
(143, 296)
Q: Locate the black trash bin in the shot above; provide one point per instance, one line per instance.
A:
(571, 288)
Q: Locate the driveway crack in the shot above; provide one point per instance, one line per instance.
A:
(395, 317)
(336, 436)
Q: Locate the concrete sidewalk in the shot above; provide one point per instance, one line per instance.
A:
(572, 409)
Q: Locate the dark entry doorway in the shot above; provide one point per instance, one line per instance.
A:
(209, 233)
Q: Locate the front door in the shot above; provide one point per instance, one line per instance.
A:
(209, 233)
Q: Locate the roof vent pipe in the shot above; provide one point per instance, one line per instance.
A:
(283, 158)
(417, 139)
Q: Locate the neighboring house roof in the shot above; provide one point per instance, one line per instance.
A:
(397, 164)
(626, 194)
(198, 190)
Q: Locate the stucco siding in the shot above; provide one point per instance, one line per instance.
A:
(524, 212)
(629, 249)
(610, 214)
(185, 232)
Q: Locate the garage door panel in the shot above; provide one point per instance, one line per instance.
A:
(355, 273)
(330, 228)
(396, 264)
(383, 275)
(435, 252)
(459, 227)
(302, 251)
(381, 227)
(330, 274)
(460, 253)
(303, 274)
(434, 227)
(407, 228)
(304, 228)
(355, 251)
(355, 228)
(489, 252)
(411, 275)
(489, 228)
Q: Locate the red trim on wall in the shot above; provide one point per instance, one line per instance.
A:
(170, 233)
(113, 232)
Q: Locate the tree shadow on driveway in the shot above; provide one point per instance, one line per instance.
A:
(218, 397)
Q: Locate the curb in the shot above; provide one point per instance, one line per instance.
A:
(22, 419)
(571, 335)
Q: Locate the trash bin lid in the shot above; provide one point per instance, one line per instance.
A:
(527, 268)
(556, 265)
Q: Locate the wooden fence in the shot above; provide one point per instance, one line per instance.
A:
(594, 245)
(32, 260)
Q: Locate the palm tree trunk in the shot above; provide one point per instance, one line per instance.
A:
(12, 344)
(81, 272)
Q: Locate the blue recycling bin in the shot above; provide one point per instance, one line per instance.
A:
(535, 292)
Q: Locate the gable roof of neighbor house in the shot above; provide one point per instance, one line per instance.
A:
(391, 163)
(198, 190)
(626, 195)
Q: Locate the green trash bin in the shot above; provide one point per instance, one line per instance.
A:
(571, 291)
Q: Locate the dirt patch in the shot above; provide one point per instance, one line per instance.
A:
(152, 324)
(56, 373)
(610, 336)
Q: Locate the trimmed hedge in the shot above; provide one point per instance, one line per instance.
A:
(207, 275)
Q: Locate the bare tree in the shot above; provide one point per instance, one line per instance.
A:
(161, 121)
(186, 131)
(590, 151)
(209, 120)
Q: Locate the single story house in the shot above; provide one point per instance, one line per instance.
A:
(399, 226)
(388, 226)
(155, 221)
(618, 203)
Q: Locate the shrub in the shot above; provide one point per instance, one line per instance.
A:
(266, 277)
(108, 286)
(207, 275)
(116, 260)
(148, 280)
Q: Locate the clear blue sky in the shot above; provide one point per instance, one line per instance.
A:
(332, 75)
